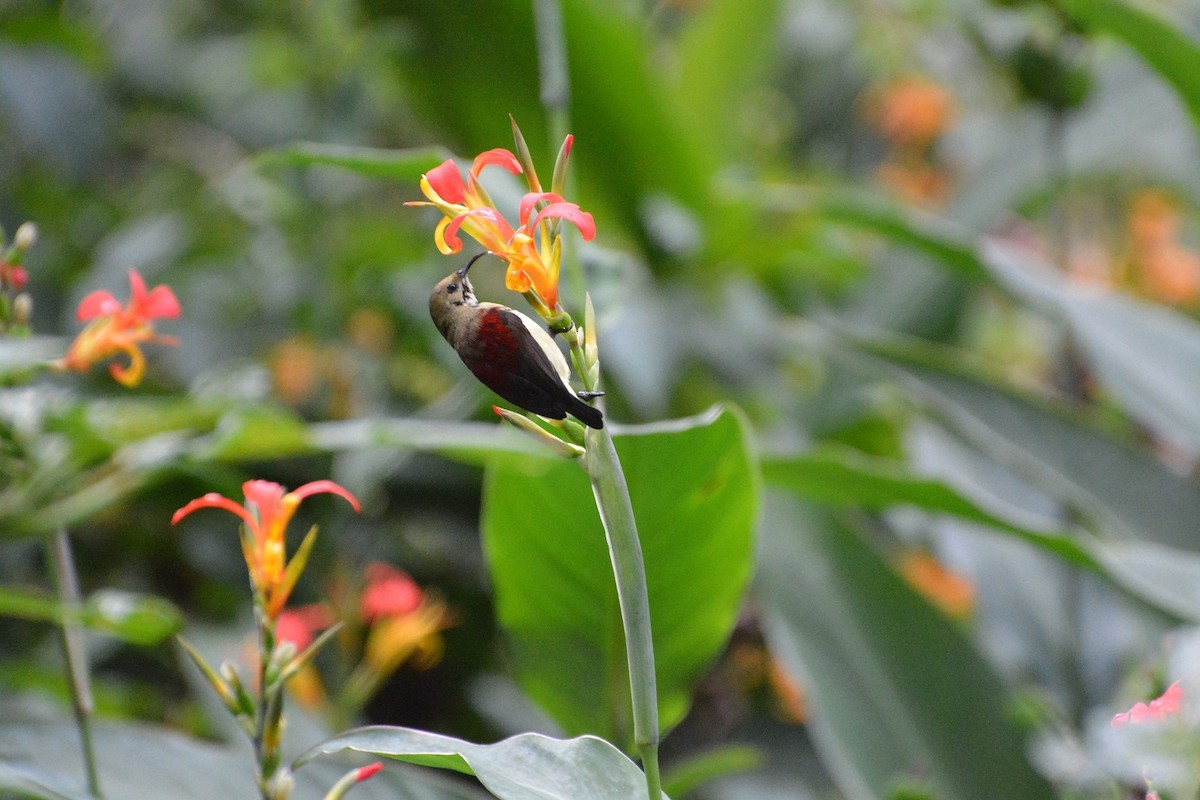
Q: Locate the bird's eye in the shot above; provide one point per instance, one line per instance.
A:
(452, 288)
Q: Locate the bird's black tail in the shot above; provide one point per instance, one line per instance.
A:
(586, 414)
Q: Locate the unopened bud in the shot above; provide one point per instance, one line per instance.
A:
(22, 309)
(351, 778)
(280, 786)
(26, 236)
(541, 434)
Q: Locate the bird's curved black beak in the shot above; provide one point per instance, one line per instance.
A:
(462, 273)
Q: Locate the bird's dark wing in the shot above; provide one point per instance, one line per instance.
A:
(515, 367)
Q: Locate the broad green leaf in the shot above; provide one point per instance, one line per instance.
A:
(717, 74)
(139, 619)
(694, 491)
(1163, 576)
(41, 759)
(374, 162)
(256, 433)
(840, 477)
(1164, 46)
(1117, 486)
(631, 144)
(899, 695)
(1146, 356)
(525, 767)
(934, 236)
(473, 442)
(689, 774)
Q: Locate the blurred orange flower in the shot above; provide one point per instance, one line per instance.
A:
(910, 111)
(1165, 269)
(115, 329)
(916, 181)
(949, 591)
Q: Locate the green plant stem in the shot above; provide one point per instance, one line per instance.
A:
(625, 550)
(62, 562)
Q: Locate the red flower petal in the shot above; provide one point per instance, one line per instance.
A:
(498, 157)
(161, 302)
(1159, 708)
(572, 213)
(389, 592)
(97, 304)
(446, 180)
(213, 500)
(325, 487)
(530, 200)
(137, 286)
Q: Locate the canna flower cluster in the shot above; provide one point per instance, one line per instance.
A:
(115, 329)
(533, 249)
(265, 515)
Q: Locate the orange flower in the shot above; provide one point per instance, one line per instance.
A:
(1158, 709)
(1165, 269)
(1171, 273)
(916, 181)
(396, 638)
(947, 590)
(113, 329)
(533, 249)
(911, 111)
(266, 513)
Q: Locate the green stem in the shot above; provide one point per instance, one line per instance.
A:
(263, 710)
(65, 578)
(625, 550)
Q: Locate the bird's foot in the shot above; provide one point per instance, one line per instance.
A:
(589, 395)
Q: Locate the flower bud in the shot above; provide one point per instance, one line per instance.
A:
(26, 236)
(22, 309)
(280, 786)
(562, 448)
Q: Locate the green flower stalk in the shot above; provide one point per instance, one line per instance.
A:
(265, 514)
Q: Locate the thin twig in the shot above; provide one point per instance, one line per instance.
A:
(62, 562)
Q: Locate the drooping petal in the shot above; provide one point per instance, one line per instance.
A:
(214, 500)
(531, 199)
(131, 375)
(97, 304)
(447, 248)
(446, 182)
(496, 157)
(572, 213)
(325, 487)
